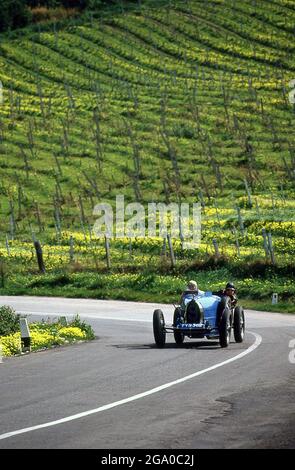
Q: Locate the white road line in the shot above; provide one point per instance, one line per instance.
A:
(89, 315)
(258, 340)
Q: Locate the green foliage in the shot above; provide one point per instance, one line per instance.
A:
(19, 13)
(83, 326)
(72, 333)
(9, 320)
(10, 344)
(14, 14)
(47, 335)
(43, 339)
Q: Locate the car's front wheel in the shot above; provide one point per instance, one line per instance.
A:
(225, 329)
(178, 336)
(239, 324)
(159, 328)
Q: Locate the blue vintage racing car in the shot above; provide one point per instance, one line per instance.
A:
(202, 316)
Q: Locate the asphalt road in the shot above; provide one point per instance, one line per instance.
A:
(121, 392)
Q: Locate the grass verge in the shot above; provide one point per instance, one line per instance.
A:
(254, 293)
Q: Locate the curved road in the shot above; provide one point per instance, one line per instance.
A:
(121, 392)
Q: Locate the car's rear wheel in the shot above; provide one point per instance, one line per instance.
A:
(225, 329)
(178, 336)
(159, 328)
(239, 324)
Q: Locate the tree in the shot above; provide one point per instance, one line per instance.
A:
(14, 14)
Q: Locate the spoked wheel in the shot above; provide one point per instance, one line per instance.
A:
(225, 329)
(159, 328)
(178, 336)
(223, 304)
(239, 324)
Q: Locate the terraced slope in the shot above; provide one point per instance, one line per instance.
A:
(187, 100)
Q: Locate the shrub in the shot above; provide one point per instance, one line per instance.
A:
(14, 14)
(183, 130)
(72, 333)
(51, 280)
(9, 321)
(43, 340)
(87, 329)
(47, 335)
(43, 14)
(11, 344)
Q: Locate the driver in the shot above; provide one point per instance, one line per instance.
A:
(191, 288)
(229, 291)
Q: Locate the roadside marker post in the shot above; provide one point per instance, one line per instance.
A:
(63, 321)
(25, 335)
(274, 298)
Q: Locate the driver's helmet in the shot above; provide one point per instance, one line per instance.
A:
(190, 292)
(230, 288)
(192, 286)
